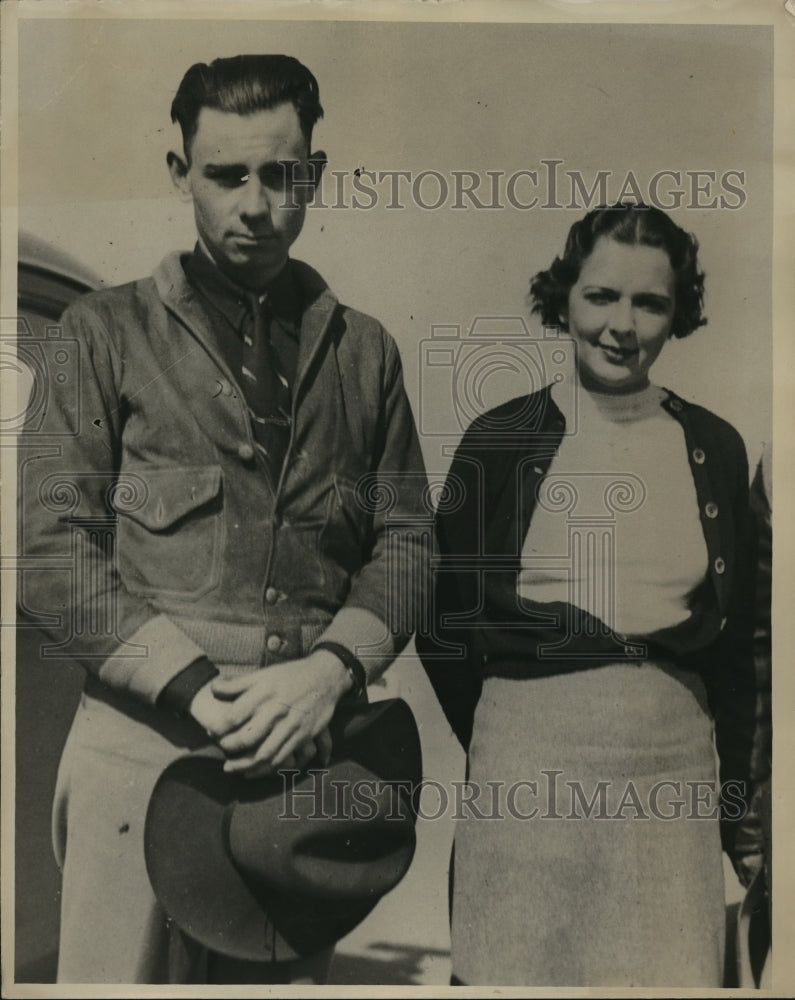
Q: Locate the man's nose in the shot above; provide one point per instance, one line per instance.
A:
(622, 317)
(254, 199)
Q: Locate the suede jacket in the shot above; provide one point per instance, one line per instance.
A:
(152, 531)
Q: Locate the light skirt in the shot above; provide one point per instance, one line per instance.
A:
(591, 854)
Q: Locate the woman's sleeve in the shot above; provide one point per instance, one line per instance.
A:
(446, 648)
(736, 682)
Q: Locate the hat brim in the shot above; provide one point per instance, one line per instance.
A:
(197, 882)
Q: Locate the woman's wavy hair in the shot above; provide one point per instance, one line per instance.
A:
(632, 224)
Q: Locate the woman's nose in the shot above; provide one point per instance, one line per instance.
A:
(622, 320)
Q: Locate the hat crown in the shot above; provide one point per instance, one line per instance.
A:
(261, 869)
(336, 833)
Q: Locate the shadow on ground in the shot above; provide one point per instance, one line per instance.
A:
(384, 964)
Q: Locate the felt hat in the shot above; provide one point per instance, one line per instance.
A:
(279, 867)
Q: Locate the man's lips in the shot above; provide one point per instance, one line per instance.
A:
(254, 238)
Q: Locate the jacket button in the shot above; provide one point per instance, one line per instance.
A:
(723, 623)
(720, 565)
(699, 456)
(273, 643)
(271, 595)
(676, 405)
(711, 510)
(245, 451)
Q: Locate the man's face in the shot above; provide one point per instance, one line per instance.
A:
(241, 179)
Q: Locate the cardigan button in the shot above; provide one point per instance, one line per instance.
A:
(720, 565)
(711, 510)
(698, 456)
(273, 643)
(271, 595)
(723, 623)
(223, 387)
(245, 452)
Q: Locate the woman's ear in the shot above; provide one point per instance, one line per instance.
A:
(178, 169)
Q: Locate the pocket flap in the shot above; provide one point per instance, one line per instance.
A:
(173, 493)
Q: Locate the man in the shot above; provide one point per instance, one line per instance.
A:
(229, 580)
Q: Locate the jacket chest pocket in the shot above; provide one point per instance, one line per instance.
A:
(171, 544)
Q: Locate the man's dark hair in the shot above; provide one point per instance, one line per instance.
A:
(243, 85)
(631, 224)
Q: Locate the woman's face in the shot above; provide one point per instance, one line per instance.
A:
(620, 313)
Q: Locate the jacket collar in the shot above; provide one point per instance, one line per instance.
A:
(183, 301)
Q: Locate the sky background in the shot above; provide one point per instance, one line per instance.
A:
(94, 100)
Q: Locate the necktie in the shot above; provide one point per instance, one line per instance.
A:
(264, 386)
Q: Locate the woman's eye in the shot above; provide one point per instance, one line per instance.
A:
(598, 298)
(653, 305)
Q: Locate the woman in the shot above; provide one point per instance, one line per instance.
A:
(590, 621)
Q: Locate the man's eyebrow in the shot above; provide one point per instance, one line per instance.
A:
(225, 168)
(244, 167)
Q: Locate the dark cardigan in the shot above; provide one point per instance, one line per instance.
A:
(481, 627)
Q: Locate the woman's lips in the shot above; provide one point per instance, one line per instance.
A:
(617, 354)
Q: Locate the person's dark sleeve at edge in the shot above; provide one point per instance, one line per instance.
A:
(730, 674)
(446, 653)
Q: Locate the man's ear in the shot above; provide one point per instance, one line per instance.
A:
(318, 163)
(178, 169)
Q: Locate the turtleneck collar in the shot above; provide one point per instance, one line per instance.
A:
(614, 407)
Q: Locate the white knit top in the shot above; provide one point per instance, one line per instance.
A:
(616, 528)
